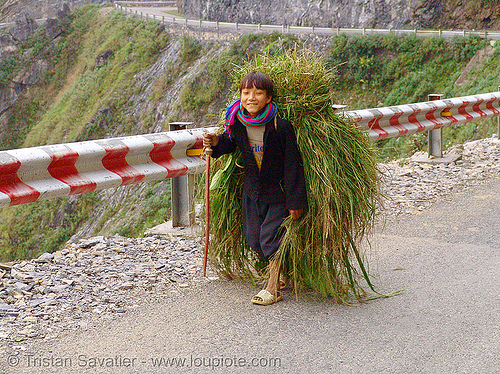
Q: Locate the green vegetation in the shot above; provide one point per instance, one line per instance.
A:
(29, 230)
(397, 69)
(8, 68)
(109, 53)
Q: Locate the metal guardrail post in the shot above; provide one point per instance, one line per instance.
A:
(182, 190)
(339, 108)
(435, 139)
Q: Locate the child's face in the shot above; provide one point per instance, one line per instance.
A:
(254, 100)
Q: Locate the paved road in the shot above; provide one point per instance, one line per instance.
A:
(165, 14)
(447, 321)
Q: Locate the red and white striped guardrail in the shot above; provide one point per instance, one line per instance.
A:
(393, 121)
(40, 173)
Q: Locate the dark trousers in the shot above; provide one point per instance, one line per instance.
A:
(261, 225)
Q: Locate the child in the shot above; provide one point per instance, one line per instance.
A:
(274, 184)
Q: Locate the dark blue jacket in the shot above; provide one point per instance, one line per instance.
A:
(281, 178)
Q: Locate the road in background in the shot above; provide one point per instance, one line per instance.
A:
(167, 14)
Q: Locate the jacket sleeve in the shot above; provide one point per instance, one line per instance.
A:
(294, 180)
(225, 145)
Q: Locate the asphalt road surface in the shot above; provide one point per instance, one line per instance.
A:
(446, 320)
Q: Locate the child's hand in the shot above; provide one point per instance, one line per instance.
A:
(210, 140)
(296, 213)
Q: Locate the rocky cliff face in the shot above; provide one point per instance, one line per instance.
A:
(10, 10)
(21, 70)
(329, 13)
(351, 13)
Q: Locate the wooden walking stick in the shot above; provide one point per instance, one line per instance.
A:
(208, 153)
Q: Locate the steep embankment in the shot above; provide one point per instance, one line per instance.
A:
(105, 75)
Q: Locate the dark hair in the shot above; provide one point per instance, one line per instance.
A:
(258, 80)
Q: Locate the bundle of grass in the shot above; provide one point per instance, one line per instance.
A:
(319, 251)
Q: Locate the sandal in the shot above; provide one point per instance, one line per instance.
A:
(264, 297)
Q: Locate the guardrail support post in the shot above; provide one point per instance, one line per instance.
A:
(435, 139)
(339, 108)
(182, 199)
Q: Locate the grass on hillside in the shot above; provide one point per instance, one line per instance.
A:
(91, 84)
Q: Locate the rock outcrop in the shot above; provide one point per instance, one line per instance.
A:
(355, 13)
(11, 9)
(19, 70)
